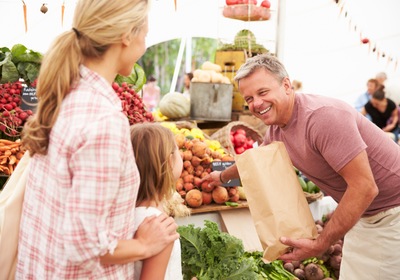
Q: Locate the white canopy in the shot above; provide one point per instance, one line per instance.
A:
(321, 40)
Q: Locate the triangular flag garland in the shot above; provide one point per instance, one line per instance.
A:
(364, 40)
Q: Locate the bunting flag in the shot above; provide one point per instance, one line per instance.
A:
(365, 40)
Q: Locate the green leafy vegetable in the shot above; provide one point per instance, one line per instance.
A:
(8, 70)
(136, 79)
(209, 254)
(19, 62)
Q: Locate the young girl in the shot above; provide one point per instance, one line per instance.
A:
(160, 165)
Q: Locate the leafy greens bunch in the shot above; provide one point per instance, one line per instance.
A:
(209, 254)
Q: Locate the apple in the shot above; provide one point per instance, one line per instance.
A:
(239, 150)
(266, 4)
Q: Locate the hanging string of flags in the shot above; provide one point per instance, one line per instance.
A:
(44, 10)
(373, 45)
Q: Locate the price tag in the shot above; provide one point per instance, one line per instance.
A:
(222, 165)
(28, 99)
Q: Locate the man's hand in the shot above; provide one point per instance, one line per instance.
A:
(302, 249)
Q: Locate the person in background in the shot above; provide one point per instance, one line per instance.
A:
(384, 113)
(160, 165)
(372, 86)
(78, 215)
(151, 94)
(297, 86)
(392, 89)
(342, 152)
(186, 83)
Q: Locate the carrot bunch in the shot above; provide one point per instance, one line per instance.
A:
(10, 154)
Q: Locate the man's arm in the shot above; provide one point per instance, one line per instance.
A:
(361, 191)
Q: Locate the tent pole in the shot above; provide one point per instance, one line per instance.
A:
(178, 65)
(280, 30)
(188, 59)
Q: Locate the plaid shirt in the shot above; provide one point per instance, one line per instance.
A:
(80, 197)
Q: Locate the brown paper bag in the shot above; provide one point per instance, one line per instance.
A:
(276, 200)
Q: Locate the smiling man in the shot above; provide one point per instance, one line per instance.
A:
(345, 154)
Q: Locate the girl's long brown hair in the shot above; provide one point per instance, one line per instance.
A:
(98, 24)
(153, 145)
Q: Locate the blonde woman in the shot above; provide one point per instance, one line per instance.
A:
(79, 210)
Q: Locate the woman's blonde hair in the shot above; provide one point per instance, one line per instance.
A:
(153, 146)
(96, 26)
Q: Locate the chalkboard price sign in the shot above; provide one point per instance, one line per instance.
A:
(28, 99)
(222, 165)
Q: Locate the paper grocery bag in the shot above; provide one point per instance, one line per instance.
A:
(276, 200)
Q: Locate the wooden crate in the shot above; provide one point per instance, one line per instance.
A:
(230, 61)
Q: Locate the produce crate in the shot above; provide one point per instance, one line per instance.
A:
(211, 101)
(230, 61)
(223, 135)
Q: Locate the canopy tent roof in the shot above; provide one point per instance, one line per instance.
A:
(321, 39)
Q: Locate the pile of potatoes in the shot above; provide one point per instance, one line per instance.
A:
(197, 157)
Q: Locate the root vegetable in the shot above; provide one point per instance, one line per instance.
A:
(335, 261)
(206, 187)
(194, 198)
(180, 140)
(188, 178)
(195, 161)
(187, 155)
(232, 191)
(186, 164)
(234, 198)
(188, 186)
(289, 267)
(296, 264)
(313, 272)
(197, 181)
(299, 273)
(337, 249)
(179, 186)
(227, 158)
(207, 198)
(220, 195)
(199, 149)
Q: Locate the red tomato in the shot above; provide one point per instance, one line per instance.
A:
(232, 2)
(266, 4)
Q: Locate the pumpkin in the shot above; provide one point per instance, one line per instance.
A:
(174, 105)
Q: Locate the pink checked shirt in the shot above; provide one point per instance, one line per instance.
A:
(80, 197)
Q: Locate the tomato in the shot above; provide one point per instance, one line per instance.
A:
(266, 4)
(232, 2)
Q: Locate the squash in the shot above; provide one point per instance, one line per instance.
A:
(202, 76)
(208, 65)
(174, 105)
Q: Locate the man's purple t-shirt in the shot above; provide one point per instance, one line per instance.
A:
(324, 134)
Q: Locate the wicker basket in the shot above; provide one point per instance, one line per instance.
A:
(311, 197)
(223, 134)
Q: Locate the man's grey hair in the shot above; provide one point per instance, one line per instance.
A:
(262, 61)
